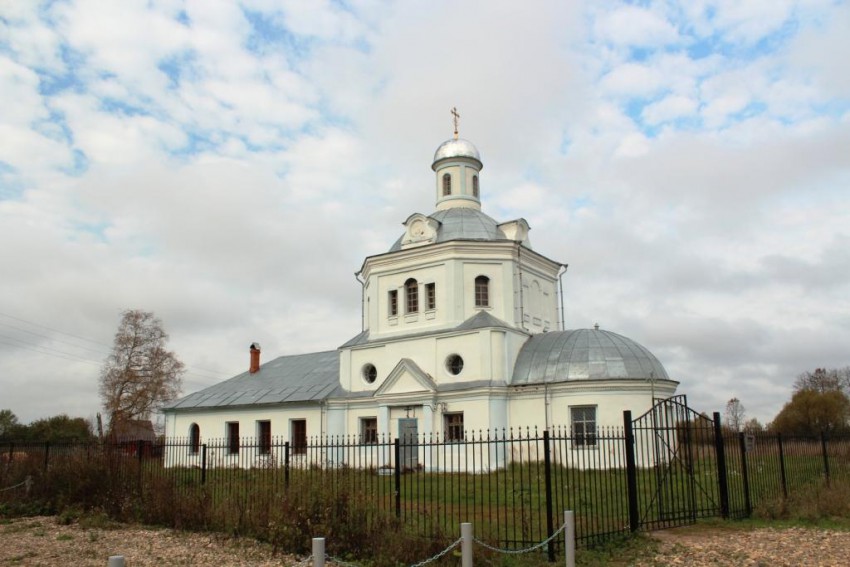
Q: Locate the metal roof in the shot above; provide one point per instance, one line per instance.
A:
(584, 354)
(462, 223)
(457, 148)
(481, 320)
(295, 378)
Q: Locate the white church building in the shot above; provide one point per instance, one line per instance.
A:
(462, 331)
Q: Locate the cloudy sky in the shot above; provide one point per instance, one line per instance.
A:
(228, 165)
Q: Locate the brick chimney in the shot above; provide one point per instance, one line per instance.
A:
(255, 358)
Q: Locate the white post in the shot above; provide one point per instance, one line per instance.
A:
(116, 561)
(318, 552)
(466, 544)
(570, 537)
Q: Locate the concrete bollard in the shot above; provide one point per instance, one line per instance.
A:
(466, 544)
(318, 552)
(570, 538)
(116, 561)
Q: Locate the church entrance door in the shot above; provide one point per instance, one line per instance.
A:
(408, 436)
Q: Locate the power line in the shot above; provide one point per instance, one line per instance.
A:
(198, 372)
(100, 351)
(54, 330)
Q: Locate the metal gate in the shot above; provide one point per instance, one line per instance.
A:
(676, 458)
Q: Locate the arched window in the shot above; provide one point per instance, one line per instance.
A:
(194, 438)
(411, 292)
(475, 186)
(482, 291)
(447, 184)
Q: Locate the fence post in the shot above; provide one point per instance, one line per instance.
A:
(825, 457)
(550, 529)
(397, 475)
(782, 466)
(745, 473)
(318, 552)
(286, 464)
(140, 450)
(204, 463)
(722, 479)
(631, 472)
(570, 538)
(115, 561)
(46, 453)
(466, 538)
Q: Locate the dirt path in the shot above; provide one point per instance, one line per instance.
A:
(698, 546)
(42, 541)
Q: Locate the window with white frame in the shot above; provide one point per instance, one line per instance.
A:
(368, 430)
(583, 424)
(264, 436)
(393, 302)
(453, 426)
(299, 436)
(482, 291)
(411, 292)
(232, 433)
(431, 295)
(194, 439)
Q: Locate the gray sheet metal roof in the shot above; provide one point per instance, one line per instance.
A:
(461, 223)
(584, 354)
(297, 378)
(481, 320)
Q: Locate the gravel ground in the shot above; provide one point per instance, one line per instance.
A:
(761, 547)
(43, 541)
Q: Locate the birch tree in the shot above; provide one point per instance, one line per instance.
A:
(141, 374)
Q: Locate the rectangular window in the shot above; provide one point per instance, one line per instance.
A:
(482, 291)
(393, 302)
(368, 430)
(583, 420)
(232, 437)
(431, 294)
(453, 426)
(411, 289)
(264, 436)
(299, 436)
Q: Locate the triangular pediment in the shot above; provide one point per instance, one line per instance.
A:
(406, 378)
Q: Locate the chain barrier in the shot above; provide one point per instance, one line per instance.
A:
(340, 561)
(420, 564)
(434, 558)
(520, 551)
(28, 483)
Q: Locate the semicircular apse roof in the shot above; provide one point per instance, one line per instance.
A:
(584, 354)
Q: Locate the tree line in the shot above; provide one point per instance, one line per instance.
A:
(820, 403)
(137, 378)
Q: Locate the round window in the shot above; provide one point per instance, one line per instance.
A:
(454, 364)
(370, 373)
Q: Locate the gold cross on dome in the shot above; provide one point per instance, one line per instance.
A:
(456, 116)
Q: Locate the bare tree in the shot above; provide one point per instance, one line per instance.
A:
(824, 380)
(140, 374)
(735, 414)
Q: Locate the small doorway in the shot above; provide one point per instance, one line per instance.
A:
(408, 436)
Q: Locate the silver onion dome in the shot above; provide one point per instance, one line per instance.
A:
(456, 148)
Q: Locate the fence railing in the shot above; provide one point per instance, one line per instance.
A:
(512, 484)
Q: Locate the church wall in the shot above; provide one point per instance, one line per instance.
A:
(213, 429)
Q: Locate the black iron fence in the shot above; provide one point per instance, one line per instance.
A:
(666, 468)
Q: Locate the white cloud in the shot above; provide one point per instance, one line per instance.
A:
(235, 180)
